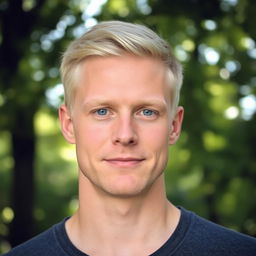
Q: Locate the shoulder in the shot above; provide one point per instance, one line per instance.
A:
(42, 244)
(217, 239)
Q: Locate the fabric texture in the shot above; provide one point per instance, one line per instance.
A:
(193, 236)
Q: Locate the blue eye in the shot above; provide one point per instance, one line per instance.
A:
(147, 112)
(102, 112)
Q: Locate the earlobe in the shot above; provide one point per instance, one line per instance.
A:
(176, 126)
(66, 124)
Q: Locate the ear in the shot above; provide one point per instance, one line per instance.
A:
(66, 124)
(176, 126)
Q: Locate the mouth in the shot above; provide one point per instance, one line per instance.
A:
(124, 162)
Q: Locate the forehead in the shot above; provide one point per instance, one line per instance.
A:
(124, 77)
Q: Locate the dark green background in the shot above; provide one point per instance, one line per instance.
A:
(212, 169)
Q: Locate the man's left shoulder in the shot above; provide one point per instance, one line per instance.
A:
(220, 238)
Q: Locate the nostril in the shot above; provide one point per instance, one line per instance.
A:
(131, 141)
(125, 141)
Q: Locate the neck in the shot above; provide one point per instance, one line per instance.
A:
(140, 223)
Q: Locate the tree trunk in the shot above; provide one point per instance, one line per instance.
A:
(23, 146)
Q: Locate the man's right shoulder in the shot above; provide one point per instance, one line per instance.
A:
(40, 245)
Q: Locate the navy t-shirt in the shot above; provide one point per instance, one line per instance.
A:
(193, 236)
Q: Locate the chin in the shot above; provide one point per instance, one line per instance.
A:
(124, 191)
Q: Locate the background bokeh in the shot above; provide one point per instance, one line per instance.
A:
(212, 169)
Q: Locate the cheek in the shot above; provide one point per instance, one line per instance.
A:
(91, 135)
(157, 136)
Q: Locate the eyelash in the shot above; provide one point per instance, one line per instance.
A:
(149, 110)
(154, 114)
(104, 115)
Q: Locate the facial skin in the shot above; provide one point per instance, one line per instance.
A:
(121, 123)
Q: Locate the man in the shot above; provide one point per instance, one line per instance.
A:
(121, 111)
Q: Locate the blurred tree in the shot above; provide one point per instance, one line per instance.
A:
(18, 111)
(27, 58)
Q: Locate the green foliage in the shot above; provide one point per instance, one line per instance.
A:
(212, 169)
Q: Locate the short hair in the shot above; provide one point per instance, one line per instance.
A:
(115, 38)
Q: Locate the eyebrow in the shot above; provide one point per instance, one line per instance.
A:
(96, 102)
(107, 102)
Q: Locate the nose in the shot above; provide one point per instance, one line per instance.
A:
(124, 132)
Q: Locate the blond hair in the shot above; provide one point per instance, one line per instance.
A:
(114, 38)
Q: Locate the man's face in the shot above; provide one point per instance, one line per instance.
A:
(121, 123)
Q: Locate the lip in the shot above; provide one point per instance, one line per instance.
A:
(124, 161)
